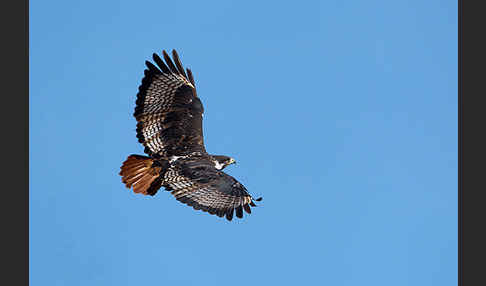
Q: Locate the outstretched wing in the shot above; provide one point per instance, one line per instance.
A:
(197, 183)
(168, 111)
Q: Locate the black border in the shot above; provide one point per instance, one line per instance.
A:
(14, 23)
(472, 142)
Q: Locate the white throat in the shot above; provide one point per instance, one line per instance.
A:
(218, 165)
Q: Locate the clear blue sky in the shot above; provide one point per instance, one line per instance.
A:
(341, 114)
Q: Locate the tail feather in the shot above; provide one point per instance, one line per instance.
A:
(129, 181)
(142, 185)
(140, 173)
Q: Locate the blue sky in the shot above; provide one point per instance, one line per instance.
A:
(341, 114)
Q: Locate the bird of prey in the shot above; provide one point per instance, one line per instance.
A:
(169, 125)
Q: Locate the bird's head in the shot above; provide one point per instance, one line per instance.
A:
(221, 161)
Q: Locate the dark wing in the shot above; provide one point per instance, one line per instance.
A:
(197, 183)
(168, 111)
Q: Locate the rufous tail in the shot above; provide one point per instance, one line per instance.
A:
(142, 173)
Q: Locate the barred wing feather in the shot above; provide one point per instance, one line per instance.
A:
(168, 111)
(198, 184)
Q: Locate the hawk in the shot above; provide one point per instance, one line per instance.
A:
(169, 125)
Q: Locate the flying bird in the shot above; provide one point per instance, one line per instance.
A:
(169, 125)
